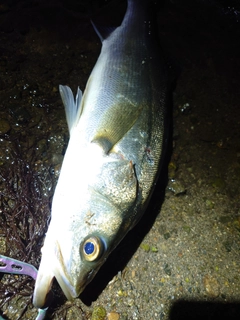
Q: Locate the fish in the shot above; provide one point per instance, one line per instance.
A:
(117, 142)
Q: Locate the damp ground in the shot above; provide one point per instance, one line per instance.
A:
(182, 260)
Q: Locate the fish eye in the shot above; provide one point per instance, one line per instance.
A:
(92, 248)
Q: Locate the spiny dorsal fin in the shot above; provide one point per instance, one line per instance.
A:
(103, 33)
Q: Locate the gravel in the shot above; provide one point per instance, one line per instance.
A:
(182, 260)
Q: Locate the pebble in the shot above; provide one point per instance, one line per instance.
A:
(145, 247)
(211, 286)
(99, 313)
(113, 316)
(176, 187)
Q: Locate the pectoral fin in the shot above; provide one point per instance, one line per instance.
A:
(115, 123)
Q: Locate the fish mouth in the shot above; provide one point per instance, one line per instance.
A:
(42, 291)
(71, 291)
(71, 286)
(53, 265)
(72, 283)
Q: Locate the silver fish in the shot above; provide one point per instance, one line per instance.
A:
(117, 132)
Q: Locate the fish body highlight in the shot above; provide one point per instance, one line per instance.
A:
(117, 133)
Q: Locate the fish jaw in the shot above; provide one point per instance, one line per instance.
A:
(43, 282)
(55, 264)
(97, 219)
(65, 262)
(72, 274)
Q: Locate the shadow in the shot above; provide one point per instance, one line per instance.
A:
(199, 310)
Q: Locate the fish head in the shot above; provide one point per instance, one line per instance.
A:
(75, 248)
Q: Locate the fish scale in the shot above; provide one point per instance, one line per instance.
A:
(113, 159)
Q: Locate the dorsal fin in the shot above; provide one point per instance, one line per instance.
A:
(73, 108)
(103, 33)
